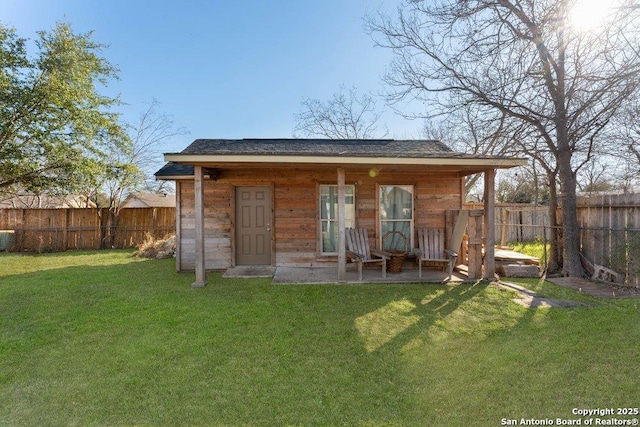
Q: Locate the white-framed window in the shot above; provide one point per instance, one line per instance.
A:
(328, 205)
(396, 215)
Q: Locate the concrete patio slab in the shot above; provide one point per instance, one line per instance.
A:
(286, 275)
(249, 271)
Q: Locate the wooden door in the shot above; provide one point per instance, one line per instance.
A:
(253, 226)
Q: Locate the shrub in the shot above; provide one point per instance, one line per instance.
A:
(156, 248)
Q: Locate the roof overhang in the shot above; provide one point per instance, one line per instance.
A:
(210, 159)
(174, 177)
(461, 165)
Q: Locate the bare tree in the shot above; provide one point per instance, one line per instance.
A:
(473, 130)
(525, 60)
(534, 146)
(521, 185)
(154, 132)
(343, 116)
(595, 176)
(130, 168)
(626, 134)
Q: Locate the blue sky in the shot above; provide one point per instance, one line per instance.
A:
(226, 69)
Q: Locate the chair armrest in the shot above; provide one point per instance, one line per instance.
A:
(451, 253)
(381, 254)
(353, 255)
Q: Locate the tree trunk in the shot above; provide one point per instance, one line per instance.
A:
(554, 264)
(104, 218)
(113, 228)
(571, 265)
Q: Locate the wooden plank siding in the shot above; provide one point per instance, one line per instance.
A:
(217, 224)
(296, 211)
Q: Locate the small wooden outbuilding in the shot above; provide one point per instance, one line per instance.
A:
(287, 202)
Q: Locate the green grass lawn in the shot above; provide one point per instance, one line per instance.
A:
(101, 338)
(535, 249)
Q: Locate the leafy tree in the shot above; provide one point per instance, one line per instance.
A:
(55, 126)
(526, 60)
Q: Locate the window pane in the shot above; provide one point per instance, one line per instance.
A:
(396, 214)
(329, 237)
(395, 242)
(329, 201)
(396, 202)
(329, 215)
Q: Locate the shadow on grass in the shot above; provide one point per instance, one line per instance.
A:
(397, 322)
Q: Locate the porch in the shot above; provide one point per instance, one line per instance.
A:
(326, 275)
(287, 203)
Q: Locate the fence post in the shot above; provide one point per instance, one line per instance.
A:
(156, 232)
(505, 224)
(65, 230)
(475, 244)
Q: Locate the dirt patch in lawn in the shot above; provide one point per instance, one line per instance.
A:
(596, 289)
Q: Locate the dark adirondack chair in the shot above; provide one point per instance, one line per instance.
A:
(358, 251)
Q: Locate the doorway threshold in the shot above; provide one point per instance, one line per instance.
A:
(249, 271)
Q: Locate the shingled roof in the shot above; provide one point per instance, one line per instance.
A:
(321, 147)
(174, 170)
(332, 151)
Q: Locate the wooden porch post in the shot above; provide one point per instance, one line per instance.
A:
(201, 279)
(489, 224)
(342, 257)
(178, 226)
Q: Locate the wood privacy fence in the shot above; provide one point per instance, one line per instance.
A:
(609, 230)
(517, 222)
(610, 233)
(51, 230)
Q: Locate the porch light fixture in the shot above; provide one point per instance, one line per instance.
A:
(214, 174)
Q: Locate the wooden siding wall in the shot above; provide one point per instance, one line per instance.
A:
(217, 221)
(295, 207)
